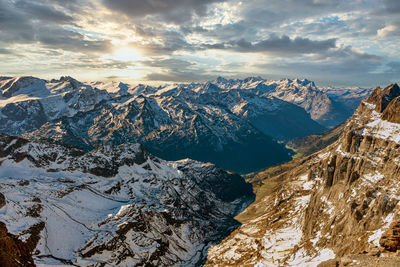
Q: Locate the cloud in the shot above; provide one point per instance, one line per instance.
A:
(59, 38)
(4, 51)
(388, 30)
(43, 12)
(162, 43)
(392, 6)
(181, 40)
(176, 11)
(278, 45)
(23, 22)
(342, 65)
(181, 76)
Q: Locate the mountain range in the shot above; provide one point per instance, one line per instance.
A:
(112, 202)
(237, 124)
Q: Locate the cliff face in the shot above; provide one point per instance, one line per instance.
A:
(341, 202)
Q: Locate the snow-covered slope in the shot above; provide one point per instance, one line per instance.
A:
(339, 206)
(303, 93)
(233, 123)
(114, 205)
(26, 103)
(348, 96)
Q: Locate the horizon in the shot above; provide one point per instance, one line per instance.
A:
(169, 83)
(339, 44)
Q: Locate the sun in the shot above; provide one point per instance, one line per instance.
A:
(126, 55)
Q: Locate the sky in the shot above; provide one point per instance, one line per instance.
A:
(332, 42)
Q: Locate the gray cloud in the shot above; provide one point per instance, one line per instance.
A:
(278, 45)
(176, 70)
(170, 63)
(177, 11)
(31, 22)
(56, 37)
(43, 12)
(392, 6)
(162, 42)
(338, 66)
(4, 51)
(182, 76)
(302, 37)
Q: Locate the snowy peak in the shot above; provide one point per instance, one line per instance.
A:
(175, 121)
(11, 86)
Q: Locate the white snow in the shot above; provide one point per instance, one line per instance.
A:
(373, 177)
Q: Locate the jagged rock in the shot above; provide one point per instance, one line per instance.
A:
(332, 205)
(390, 240)
(392, 111)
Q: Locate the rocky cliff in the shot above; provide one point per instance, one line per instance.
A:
(339, 206)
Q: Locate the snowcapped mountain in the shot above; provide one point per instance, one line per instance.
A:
(111, 206)
(26, 103)
(349, 96)
(233, 123)
(302, 93)
(339, 206)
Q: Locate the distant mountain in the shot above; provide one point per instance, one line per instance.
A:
(234, 123)
(113, 206)
(337, 207)
(348, 96)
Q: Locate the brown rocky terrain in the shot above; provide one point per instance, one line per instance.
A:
(337, 207)
(13, 252)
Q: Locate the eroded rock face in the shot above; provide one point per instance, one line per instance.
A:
(337, 202)
(114, 205)
(390, 240)
(13, 251)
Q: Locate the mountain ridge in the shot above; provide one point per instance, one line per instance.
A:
(197, 120)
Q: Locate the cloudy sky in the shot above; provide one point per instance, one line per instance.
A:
(333, 42)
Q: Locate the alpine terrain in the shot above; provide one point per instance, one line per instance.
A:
(113, 206)
(337, 207)
(237, 124)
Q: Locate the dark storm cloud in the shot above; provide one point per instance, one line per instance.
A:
(177, 11)
(278, 45)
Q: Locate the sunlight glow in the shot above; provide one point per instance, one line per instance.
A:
(126, 55)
